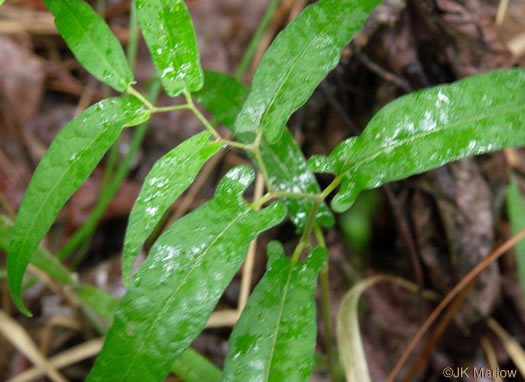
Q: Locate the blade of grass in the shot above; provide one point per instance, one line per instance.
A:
(256, 39)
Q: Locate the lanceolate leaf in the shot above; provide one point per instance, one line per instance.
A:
(41, 259)
(274, 339)
(516, 213)
(167, 180)
(72, 156)
(427, 129)
(223, 96)
(169, 33)
(91, 40)
(190, 366)
(298, 60)
(176, 288)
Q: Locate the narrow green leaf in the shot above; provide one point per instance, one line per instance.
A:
(298, 60)
(41, 259)
(91, 41)
(429, 128)
(167, 180)
(274, 339)
(72, 156)
(190, 366)
(177, 287)
(223, 96)
(516, 213)
(170, 36)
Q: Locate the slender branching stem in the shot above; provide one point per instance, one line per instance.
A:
(140, 97)
(304, 241)
(324, 282)
(262, 167)
(170, 108)
(332, 186)
(283, 194)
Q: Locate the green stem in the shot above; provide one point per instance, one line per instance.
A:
(201, 117)
(332, 186)
(248, 56)
(140, 97)
(190, 105)
(103, 202)
(304, 241)
(262, 167)
(170, 108)
(324, 282)
(283, 194)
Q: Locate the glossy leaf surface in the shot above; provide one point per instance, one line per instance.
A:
(92, 42)
(274, 339)
(167, 180)
(169, 33)
(190, 366)
(223, 96)
(299, 58)
(178, 285)
(427, 129)
(73, 155)
(516, 213)
(42, 259)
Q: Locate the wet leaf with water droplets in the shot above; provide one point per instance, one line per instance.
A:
(92, 42)
(170, 36)
(167, 180)
(177, 287)
(70, 159)
(299, 58)
(223, 96)
(274, 339)
(427, 129)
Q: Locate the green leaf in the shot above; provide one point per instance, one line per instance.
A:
(170, 36)
(167, 180)
(178, 285)
(41, 259)
(298, 60)
(223, 96)
(91, 41)
(72, 156)
(190, 366)
(516, 214)
(427, 129)
(274, 339)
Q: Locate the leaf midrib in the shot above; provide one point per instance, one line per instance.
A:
(426, 133)
(135, 224)
(296, 62)
(90, 38)
(51, 192)
(176, 291)
(278, 323)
